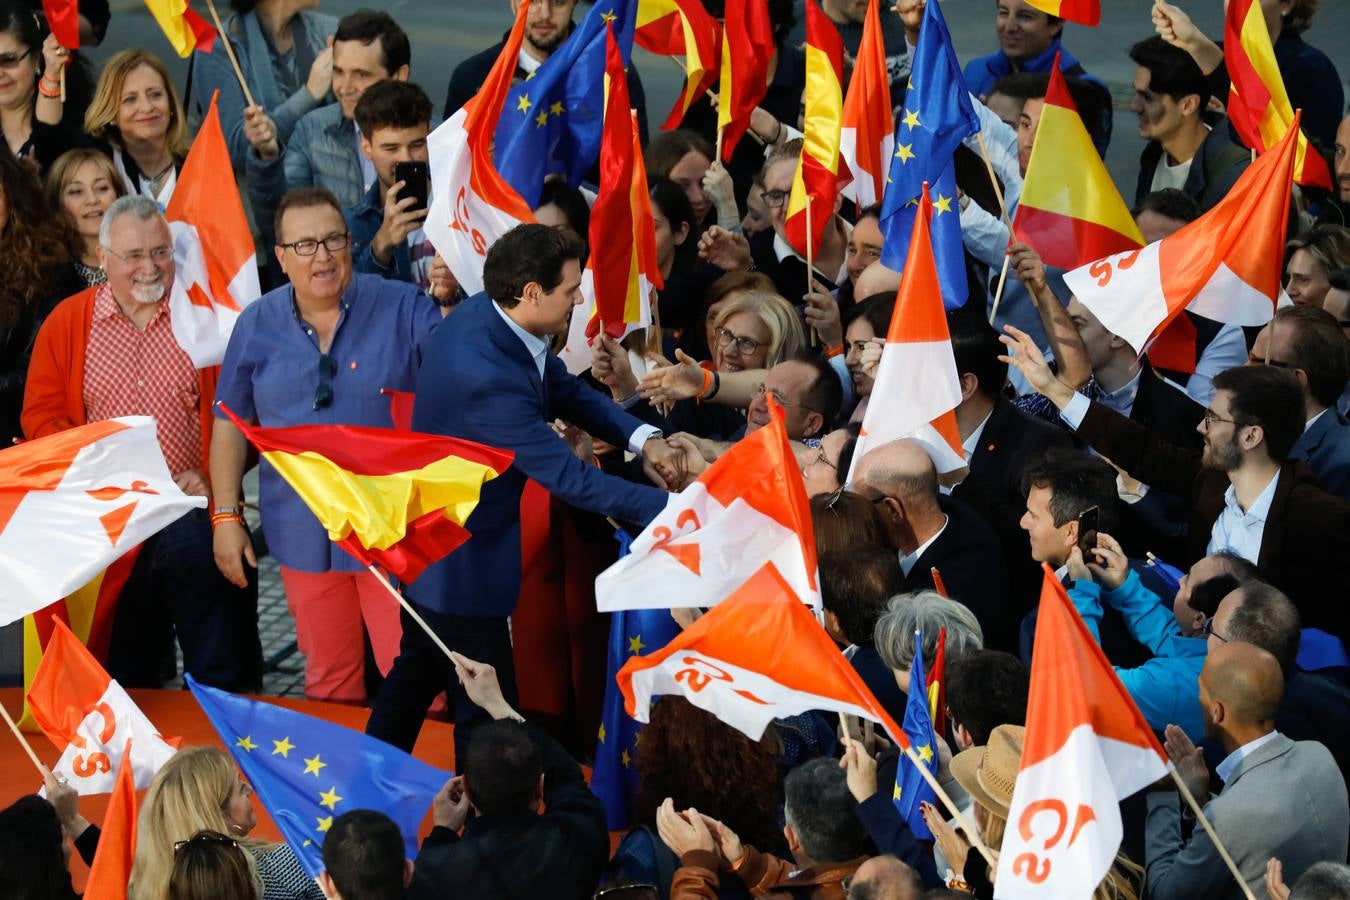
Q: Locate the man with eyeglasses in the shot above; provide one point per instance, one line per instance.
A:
(1246, 493)
(110, 351)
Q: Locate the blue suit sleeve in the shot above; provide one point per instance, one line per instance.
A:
(572, 400)
(889, 831)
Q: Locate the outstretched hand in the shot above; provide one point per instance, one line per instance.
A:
(480, 684)
(1030, 361)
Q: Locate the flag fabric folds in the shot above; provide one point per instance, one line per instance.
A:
(63, 18)
(473, 205)
(212, 248)
(917, 388)
(1071, 212)
(910, 787)
(91, 719)
(72, 502)
(747, 48)
(1084, 12)
(937, 686)
(185, 30)
(1258, 104)
(111, 868)
(614, 777)
(396, 499)
(333, 770)
(681, 28)
(748, 508)
(816, 181)
(1225, 265)
(1087, 747)
(867, 131)
(757, 656)
(937, 114)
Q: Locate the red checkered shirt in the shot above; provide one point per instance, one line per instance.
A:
(130, 372)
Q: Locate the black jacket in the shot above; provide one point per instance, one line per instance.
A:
(1215, 168)
(559, 854)
(16, 348)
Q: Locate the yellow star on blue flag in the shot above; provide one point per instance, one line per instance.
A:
(910, 787)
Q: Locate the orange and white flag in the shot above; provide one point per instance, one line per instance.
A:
(111, 868)
(91, 719)
(1087, 747)
(759, 655)
(212, 248)
(748, 508)
(917, 389)
(72, 502)
(867, 133)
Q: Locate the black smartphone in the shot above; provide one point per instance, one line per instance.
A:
(416, 178)
(1087, 532)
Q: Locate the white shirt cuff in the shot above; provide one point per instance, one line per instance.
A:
(1078, 408)
(640, 436)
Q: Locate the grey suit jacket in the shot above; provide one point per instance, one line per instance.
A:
(1286, 799)
(1326, 447)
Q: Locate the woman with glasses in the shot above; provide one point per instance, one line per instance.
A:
(317, 351)
(137, 115)
(200, 789)
(36, 122)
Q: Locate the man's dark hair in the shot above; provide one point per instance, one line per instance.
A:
(1022, 86)
(304, 198)
(1090, 100)
(527, 253)
(1236, 571)
(502, 767)
(1269, 397)
(819, 807)
(875, 310)
(850, 447)
(1172, 203)
(570, 201)
(368, 26)
(1318, 347)
(856, 584)
(1172, 71)
(824, 394)
(363, 853)
(976, 346)
(986, 689)
(392, 104)
(1268, 619)
(1077, 482)
(1340, 279)
(1323, 881)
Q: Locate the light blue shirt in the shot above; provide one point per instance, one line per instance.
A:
(1226, 769)
(1241, 530)
(1122, 398)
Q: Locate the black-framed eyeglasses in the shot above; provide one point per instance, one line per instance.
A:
(12, 60)
(744, 345)
(308, 247)
(205, 837)
(774, 199)
(323, 394)
(1207, 629)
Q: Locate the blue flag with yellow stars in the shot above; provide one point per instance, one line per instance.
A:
(307, 771)
(910, 787)
(552, 120)
(614, 778)
(937, 114)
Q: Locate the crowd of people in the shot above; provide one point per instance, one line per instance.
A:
(1080, 454)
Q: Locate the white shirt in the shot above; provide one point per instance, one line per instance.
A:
(972, 443)
(537, 347)
(1313, 421)
(1241, 530)
(907, 562)
(782, 249)
(1230, 763)
(1165, 176)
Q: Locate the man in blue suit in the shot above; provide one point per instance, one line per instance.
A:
(487, 376)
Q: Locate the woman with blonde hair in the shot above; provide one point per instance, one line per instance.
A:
(200, 789)
(137, 114)
(82, 184)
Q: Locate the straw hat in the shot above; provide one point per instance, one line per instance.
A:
(988, 773)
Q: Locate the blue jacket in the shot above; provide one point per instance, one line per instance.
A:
(478, 382)
(1166, 688)
(363, 220)
(321, 152)
(1326, 447)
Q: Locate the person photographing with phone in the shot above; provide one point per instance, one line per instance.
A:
(394, 118)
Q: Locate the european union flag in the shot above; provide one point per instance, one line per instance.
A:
(614, 779)
(910, 787)
(551, 122)
(308, 771)
(937, 115)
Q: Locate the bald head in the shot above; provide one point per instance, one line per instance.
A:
(1247, 681)
(903, 470)
(885, 878)
(876, 279)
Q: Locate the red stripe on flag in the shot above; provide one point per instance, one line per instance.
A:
(1067, 242)
(428, 539)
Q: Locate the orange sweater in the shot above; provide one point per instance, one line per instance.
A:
(54, 397)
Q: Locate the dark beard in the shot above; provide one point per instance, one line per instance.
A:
(550, 44)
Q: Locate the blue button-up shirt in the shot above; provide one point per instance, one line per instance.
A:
(271, 373)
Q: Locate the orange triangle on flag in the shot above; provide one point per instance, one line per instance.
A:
(687, 554)
(116, 521)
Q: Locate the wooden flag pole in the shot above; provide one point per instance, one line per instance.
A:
(718, 152)
(998, 292)
(810, 263)
(28, 748)
(993, 179)
(1209, 830)
(229, 51)
(408, 608)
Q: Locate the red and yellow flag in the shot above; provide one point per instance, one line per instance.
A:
(1084, 12)
(622, 237)
(747, 47)
(111, 869)
(397, 499)
(936, 682)
(681, 28)
(1070, 212)
(1258, 105)
(867, 129)
(185, 30)
(817, 179)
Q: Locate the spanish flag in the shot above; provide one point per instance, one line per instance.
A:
(1070, 212)
(1084, 12)
(185, 30)
(63, 19)
(747, 47)
(681, 28)
(1258, 105)
(396, 499)
(817, 179)
(867, 129)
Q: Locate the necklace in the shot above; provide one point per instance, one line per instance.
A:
(157, 179)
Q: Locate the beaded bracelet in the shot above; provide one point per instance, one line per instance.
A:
(220, 518)
(52, 94)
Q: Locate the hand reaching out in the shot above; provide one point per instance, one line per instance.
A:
(693, 462)
(1030, 361)
(610, 366)
(729, 252)
(955, 848)
(670, 383)
(480, 684)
